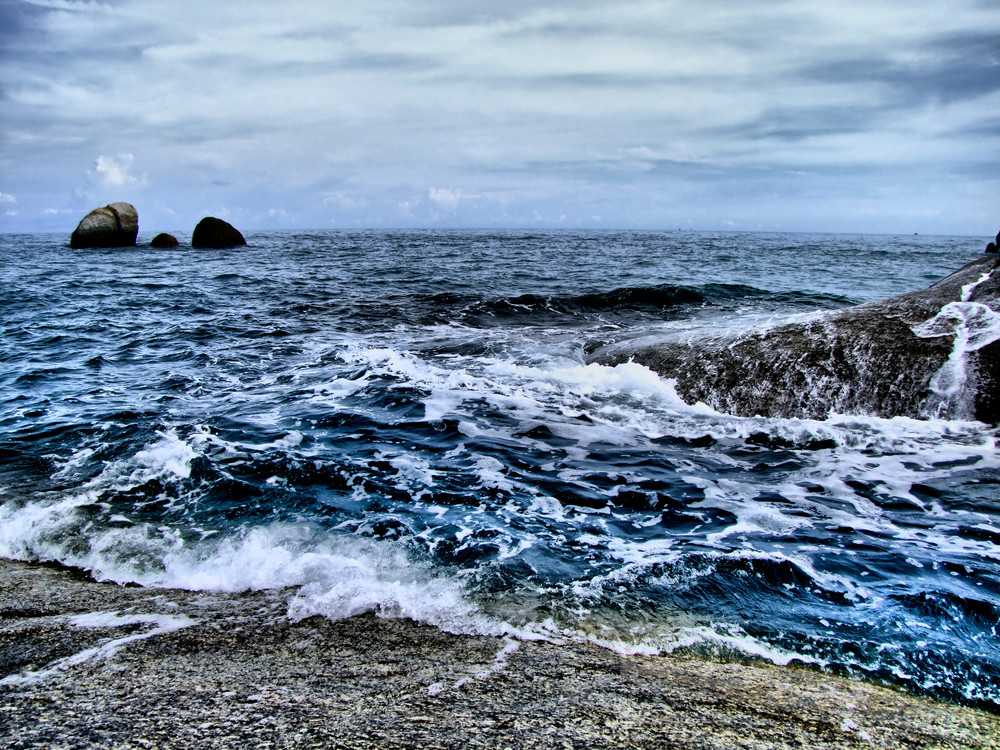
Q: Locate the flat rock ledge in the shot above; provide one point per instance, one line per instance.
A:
(179, 669)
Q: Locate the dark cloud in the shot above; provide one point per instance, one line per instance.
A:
(946, 69)
(321, 32)
(986, 128)
(19, 32)
(799, 123)
(571, 81)
(436, 13)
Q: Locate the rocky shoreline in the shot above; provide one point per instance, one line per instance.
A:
(87, 664)
(932, 352)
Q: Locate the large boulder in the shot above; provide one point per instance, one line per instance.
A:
(115, 225)
(212, 232)
(931, 353)
(163, 240)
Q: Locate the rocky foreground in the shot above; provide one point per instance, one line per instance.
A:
(177, 669)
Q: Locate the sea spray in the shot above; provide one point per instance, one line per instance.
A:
(973, 326)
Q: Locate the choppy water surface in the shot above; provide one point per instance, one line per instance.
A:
(404, 422)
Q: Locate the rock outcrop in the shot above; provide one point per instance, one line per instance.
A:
(931, 353)
(115, 225)
(156, 678)
(216, 233)
(163, 240)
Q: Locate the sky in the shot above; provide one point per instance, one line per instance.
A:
(873, 116)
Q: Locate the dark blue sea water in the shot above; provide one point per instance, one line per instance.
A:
(404, 422)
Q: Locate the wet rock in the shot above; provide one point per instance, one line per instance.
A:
(235, 671)
(216, 233)
(163, 240)
(904, 356)
(114, 225)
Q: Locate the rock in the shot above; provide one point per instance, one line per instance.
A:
(115, 225)
(216, 233)
(179, 670)
(163, 240)
(931, 353)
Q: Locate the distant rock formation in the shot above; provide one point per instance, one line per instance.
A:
(115, 225)
(931, 353)
(163, 240)
(216, 233)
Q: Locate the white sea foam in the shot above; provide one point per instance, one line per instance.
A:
(973, 326)
(969, 288)
(733, 638)
(629, 404)
(627, 396)
(334, 575)
(201, 440)
(412, 470)
(329, 575)
(662, 636)
(625, 402)
(337, 575)
(27, 530)
(169, 455)
(498, 665)
(491, 474)
(66, 466)
(161, 623)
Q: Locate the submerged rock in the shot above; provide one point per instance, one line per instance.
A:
(216, 233)
(931, 353)
(114, 225)
(163, 240)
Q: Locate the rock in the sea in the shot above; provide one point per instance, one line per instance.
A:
(931, 353)
(115, 225)
(163, 240)
(212, 232)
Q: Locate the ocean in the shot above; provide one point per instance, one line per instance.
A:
(405, 422)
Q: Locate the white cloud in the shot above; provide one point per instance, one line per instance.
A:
(68, 5)
(7, 198)
(115, 171)
(445, 199)
(345, 202)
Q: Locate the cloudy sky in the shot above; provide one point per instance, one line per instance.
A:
(854, 115)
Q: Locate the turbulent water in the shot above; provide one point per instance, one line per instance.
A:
(404, 422)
